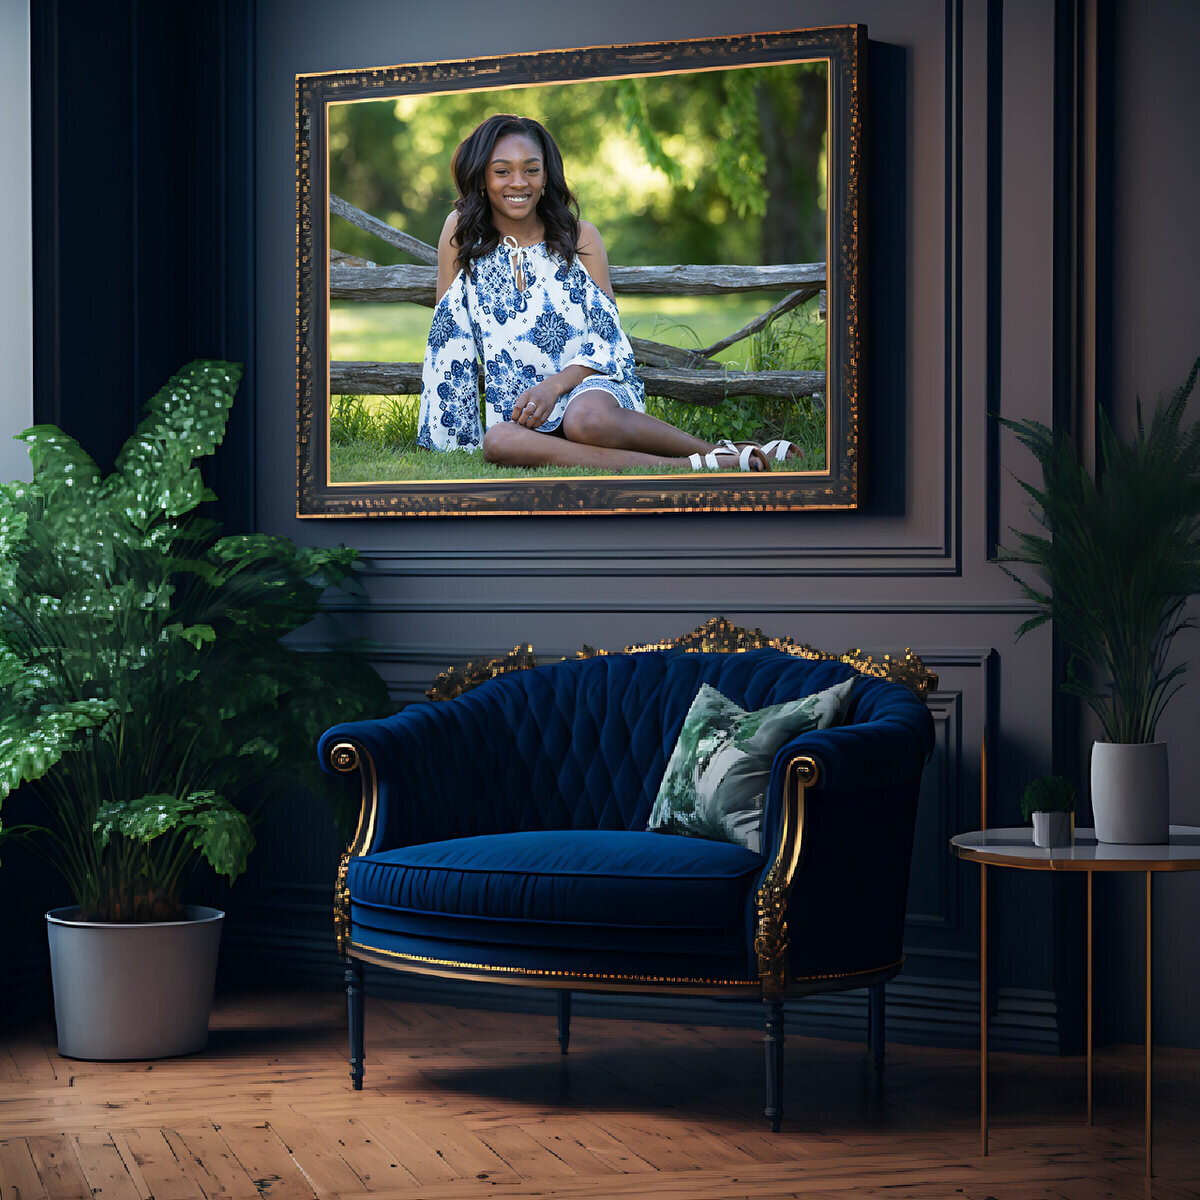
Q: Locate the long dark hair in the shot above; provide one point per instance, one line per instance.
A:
(475, 234)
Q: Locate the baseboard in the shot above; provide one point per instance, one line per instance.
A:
(920, 1011)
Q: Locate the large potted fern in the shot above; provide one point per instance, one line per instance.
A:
(144, 691)
(1117, 570)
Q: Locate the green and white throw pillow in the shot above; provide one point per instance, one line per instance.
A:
(715, 784)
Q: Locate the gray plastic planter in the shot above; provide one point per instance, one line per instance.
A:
(133, 991)
(1052, 829)
(1130, 785)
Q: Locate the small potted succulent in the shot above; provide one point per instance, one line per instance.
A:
(145, 689)
(1049, 801)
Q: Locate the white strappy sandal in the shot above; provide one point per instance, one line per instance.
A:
(717, 458)
(777, 451)
(780, 450)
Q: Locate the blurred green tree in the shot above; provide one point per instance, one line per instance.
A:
(704, 167)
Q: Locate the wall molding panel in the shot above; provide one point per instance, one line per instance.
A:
(632, 605)
(784, 560)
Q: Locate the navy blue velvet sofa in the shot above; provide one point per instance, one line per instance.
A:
(503, 838)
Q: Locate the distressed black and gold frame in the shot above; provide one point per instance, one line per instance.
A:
(836, 487)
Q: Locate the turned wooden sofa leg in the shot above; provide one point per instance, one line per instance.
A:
(355, 1008)
(876, 1024)
(773, 1043)
(564, 1019)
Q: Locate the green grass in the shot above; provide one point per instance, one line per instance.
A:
(792, 342)
(752, 419)
(378, 421)
(360, 453)
(373, 438)
(365, 463)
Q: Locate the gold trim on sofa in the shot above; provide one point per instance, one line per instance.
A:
(448, 968)
(770, 940)
(716, 636)
(585, 981)
(347, 757)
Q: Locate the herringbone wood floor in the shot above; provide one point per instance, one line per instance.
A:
(462, 1104)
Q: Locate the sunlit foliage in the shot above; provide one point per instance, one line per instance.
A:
(706, 167)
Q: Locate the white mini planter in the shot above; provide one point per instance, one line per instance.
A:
(1051, 829)
(133, 991)
(1130, 792)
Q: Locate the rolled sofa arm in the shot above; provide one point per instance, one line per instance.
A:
(849, 796)
(484, 763)
(892, 745)
(425, 777)
(890, 737)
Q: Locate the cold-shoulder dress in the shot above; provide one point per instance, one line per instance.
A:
(560, 318)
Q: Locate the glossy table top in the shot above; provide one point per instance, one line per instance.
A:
(1015, 848)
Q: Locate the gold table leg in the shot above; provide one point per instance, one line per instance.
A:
(1149, 1041)
(1089, 998)
(983, 1011)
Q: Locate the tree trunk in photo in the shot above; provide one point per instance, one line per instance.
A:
(793, 139)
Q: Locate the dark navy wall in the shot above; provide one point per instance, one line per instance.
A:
(143, 220)
(974, 298)
(143, 192)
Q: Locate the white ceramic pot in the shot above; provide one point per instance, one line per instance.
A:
(1051, 829)
(1130, 792)
(133, 991)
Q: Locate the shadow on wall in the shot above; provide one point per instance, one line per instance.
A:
(886, 120)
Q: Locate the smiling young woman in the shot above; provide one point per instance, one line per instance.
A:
(524, 295)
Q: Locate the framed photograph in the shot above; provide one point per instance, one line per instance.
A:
(723, 178)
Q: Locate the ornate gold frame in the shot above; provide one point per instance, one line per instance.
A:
(836, 486)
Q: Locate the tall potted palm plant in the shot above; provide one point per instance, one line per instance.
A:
(1117, 569)
(144, 688)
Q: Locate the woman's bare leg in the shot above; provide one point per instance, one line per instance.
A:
(512, 445)
(597, 432)
(596, 419)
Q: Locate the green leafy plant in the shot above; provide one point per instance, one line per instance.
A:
(1121, 560)
(1047, 793)
(143, 683)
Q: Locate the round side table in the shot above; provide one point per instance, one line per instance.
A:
(1015, 848)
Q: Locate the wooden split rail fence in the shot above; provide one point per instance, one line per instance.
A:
(692, 376)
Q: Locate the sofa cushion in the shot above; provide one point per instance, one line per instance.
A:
(590, 900)
(716, 778)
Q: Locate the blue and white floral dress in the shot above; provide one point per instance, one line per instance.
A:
(560, 318)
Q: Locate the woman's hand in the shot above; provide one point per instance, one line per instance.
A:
(533, 406)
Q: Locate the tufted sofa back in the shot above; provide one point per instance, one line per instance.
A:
(581, 744)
